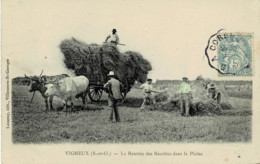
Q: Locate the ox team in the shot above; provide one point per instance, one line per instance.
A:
(67, 88)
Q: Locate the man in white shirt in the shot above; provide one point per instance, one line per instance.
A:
(113, 38)
(147, 92)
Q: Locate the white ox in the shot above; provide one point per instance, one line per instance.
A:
(69, 88)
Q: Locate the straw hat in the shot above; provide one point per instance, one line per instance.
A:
(111, 73)
(211, 85)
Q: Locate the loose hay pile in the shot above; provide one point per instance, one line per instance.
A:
(199, 92)
(161, 97)
(81, 57)
(200, 104)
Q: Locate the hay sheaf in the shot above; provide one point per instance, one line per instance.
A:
(129, 66)
(200, 108)
(161, 97)
(199, 105)
(199, 92)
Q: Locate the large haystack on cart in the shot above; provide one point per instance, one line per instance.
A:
(91, 66)
(95, 61)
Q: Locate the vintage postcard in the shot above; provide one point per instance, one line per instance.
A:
(117, 81)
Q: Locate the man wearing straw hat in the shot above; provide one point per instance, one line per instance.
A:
(114, 88)
(213, 92)
(185, 96)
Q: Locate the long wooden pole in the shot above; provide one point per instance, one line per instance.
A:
(32, 99)
(41, 73)
(116, 43)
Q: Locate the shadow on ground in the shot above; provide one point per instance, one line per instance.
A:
(129, 102)
(90, 107)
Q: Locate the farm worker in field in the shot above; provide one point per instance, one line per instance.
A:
(185, 96)
(113, 38)
(213, 93)
(147, 92)
(114, 88)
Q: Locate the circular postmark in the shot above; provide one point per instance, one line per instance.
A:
(230, 53)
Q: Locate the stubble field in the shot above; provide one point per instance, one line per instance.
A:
(34, 125)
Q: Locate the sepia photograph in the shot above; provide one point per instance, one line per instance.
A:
(158, 81)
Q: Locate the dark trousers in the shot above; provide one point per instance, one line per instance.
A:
(114, 108)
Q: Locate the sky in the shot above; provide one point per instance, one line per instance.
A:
(172, 35)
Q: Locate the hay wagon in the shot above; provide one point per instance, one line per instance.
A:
(94, 70)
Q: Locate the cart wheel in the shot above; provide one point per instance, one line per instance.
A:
(95, 94)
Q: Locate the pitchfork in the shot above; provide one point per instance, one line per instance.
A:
(34, 93)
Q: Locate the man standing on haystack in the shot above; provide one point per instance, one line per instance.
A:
(114, 88)
(113, 38)
(147, 91)
(185, 96)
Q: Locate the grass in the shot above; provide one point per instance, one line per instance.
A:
(232, 92)
(34, 125)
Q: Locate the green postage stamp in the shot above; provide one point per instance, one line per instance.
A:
(231, 53)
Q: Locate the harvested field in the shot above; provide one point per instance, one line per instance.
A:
(33, 125)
